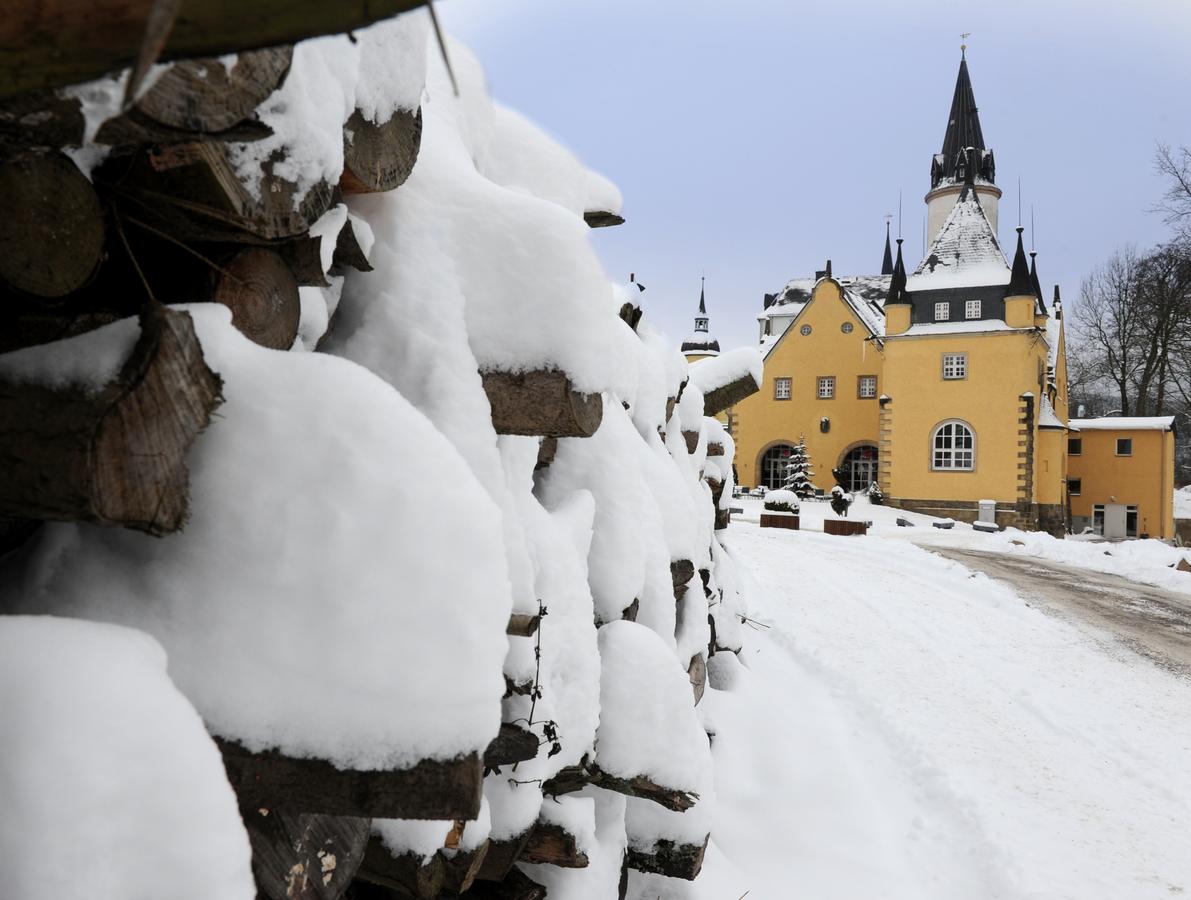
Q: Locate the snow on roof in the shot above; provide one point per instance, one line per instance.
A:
(701, 342)
(1047, 417)
(709, 374)
(1054, 339)
(1125, 423)
(870, 312)
(975, 326)
(798, 291)
(965, 253)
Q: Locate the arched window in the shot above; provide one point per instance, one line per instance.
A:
(953, 447)
(859, 468)
(772, 470)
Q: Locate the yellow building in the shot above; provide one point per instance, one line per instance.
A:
(1120, 476)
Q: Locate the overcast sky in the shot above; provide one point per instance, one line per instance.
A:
(753, 140)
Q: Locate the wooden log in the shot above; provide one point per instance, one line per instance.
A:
(631, 314)
(116, 456)
(432, 789)
(515, 886)
(844, 528)
(639, 786)
(59, 42)
(303, 256)
(348, 252)
(553, 845)
(51, 232)
(523, 625)
(723, 518)
(715, 448)
(566, 781)
(519, 688)
(513, 744)
(192, 191)
(262, 293)
(379, 157)
(460, 870)
(28, 328)
(692, 440)
(630, 611)
(596, 218)
(717, 491)
(681, 572)
(541, 403)
(546, 451)
(407, 873)
(40, 119)
(669, 858)
(671, 402)
(302, 856)
(718, 400)
(697, 673)
(501, 855)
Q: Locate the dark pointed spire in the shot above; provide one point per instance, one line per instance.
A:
(887, 262)
(702, 304)
(1034, 280)
(897, 280)
(1020, 284)
(963, 131)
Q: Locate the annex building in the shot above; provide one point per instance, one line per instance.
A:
(947, 384)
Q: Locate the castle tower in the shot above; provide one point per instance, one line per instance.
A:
(701, 344)
(948, 170)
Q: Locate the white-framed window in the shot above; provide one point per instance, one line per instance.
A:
(866, 387)
(781, 389)
(971, 309)
(953, 447)
(826, 387)
(1124, 446)
(942, 311)
(955, 365)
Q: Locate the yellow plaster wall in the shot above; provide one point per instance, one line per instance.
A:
(1145, 479)
(1001, 367)
(1050, 463)
(762, 421)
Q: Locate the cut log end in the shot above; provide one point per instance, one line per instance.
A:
(552, 845)
(299, 856)
(720, 399)
(262, 293)
(513, 744)
(379, 157)
(541, 403)
(51, 233)
(596, 218)
(669, 858)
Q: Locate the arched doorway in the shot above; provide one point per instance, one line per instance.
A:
(859, 468)
(771, 470)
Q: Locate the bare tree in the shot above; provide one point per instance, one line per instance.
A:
(1109, 326)
(1175, 206)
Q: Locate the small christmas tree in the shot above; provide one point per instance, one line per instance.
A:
(799, 472)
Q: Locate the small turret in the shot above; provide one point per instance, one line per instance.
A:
(897, 303)
(1020, 297)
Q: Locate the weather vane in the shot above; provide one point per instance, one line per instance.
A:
(963, 48)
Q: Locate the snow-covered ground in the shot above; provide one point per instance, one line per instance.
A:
(908, 728)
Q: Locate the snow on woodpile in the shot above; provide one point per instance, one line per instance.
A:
(110, 787)
(309, 541)
(378, 570)
(732, 365)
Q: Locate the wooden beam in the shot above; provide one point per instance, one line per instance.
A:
(302, 856)
(117, 456)
(541, 403)
(670, 859)
(53, 43)
(432, 789)
(715, 402)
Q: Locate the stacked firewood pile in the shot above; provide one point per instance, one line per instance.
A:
(444, 592)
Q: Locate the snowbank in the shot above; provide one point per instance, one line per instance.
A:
(340, 558)
(111, 788)
(729, 366)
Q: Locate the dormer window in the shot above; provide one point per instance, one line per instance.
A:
(942, 311)
(972, 309)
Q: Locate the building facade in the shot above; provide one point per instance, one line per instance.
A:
(947, 385)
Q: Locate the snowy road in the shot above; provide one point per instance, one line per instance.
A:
(908, 728)
(1148, 620)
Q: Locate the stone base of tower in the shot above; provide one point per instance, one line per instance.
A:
(1026, 516)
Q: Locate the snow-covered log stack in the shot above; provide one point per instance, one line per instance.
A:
(449, 590)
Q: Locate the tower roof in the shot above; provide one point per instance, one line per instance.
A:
(1034, 280)
(701, 341)
(887, 262)
(963, 133)
(1020, 283)
(965, 253)
(702, 302)
(897, 281)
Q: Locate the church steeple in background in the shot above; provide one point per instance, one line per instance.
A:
(700, 341)
(887, 262)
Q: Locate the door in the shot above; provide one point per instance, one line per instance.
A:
(1115, 521)
(859, 468)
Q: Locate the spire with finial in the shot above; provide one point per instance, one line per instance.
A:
(1020, 284)
(963, 132)
(702, 302)
(887, 262)
(897, 280)
(700, 341)
(1034, 283)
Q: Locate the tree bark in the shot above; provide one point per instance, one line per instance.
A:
(379, 157)
(299, 856)
(643, 788)
(262, 293)
(541, 403)
(117, 456)
(51, 232)
(54, 43)
(429, 790)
